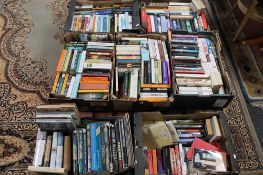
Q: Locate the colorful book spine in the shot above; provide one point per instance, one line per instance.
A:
(154, 158)
(106, 137)
(98, 150)
(114, 148)
(120, 163)
(160, 161)
(103, 148)
(150, 161)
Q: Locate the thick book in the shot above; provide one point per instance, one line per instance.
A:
(47, 151)
(98, 150)
(36, 161)
(216, 130)
(60, 145)
(94, 162)
(67, 153)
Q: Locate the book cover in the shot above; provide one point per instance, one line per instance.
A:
(216, 130)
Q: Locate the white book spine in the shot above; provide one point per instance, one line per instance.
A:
(71, 86)
(130, 22)
(120, 24)
(82, 60)
(151, 48)
(165, 51)
(159, 25)
(152, 23)
(38, 142)
(134, 83)
(54, 150)
(153, 71)
(116, 22)
(42, 148)
(157, 50)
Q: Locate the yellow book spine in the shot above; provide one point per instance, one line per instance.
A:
(55, 83)
(64, 84)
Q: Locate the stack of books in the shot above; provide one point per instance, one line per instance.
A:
(180, 146)
(84, 71)
(57, 117)
(194, 65)
(53, 150)
(103, 147)
(175, 16)
(142, 70)
(101, 19)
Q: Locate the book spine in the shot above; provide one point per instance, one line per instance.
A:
(59, 156)
(120, 163)
(153, 73)
(54, 150)
(165, 72)
(149, 80)
(103, 148)
(114, 148)
(85, 152)
(173, 161)
(75, 152)
(89, 147)
(155, 169)
(80, 150)
(150, 161)
(160, 162)
(67, 153)
(98, 150)
(124, 146)
(178, 160)
(93, 142)
(106, 138)
(47, 151)
(39, 136)
(76, 86)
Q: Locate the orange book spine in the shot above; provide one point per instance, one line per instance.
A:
(94, 78)
(153, 99)
(94, 82)
(93, 23)
(155, 170)
(64, 84)
(55, 83)
(61, 59)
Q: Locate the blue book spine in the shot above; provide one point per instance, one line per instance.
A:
(164, 72)
(145, 54)
(105, 22)
(98, 23)
(74, 93)
(59, 155)
(103, 12)
(163, 24)
(98, 150)
(171, 24)
(94, 166)
(129, 61)
(85, 152)
(123, 22)
(156, 24)
(74, 60)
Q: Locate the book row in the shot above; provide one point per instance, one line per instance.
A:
(139, 67)
(159, 17)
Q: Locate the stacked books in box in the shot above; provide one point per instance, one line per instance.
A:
(183, 147)
(103, 147)
(142, 69)
(176, 16)
(84, 70)
(108, 19)
(53, 150)
(194, 65)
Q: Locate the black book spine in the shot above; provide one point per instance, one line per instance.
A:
(103, 148)
(124, 146)
(118, 145)
(114, 148)
(145, 78)
(166, 160)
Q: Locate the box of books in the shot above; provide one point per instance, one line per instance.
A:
(197, 70)
(159, 17)
(104, 146)
(53, 153)
(84, 71)
(142, 72)
(191, 143)
(101, 16)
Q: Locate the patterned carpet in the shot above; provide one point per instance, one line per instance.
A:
(30, 42)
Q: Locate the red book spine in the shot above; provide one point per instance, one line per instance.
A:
(85, 24)
(150, 161)
(204, 20)
(149, 25)
(144, 18)
(190, 71)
